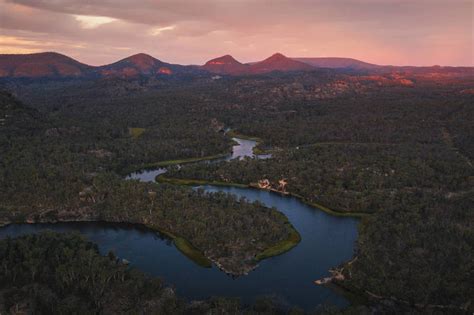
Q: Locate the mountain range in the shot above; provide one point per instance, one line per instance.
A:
(55, 65)
(277, 62)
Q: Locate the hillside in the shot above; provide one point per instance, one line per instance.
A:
(56, 66)
(48, 64)
(18, 119)
(51, 65)
(225, 65)
(337, 63)
(278, 62)
(143, 64)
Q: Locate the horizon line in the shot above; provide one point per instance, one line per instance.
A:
(228, 54)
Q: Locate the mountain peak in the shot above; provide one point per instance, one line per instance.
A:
(278, 62)
(226, 59)
(278, 55)
(140, 57)
(142, 61)
(225, 65)
(133, 65)
(45, 64)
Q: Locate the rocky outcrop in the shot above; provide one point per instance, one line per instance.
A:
(264, 184)
(281, 187)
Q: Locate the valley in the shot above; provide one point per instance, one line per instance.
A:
(384, 151)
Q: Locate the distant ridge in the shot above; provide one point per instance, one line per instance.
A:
(53, 65)
(225, 65)
(337, 63)
(277, 62)
(47, 64)
(56, 66)
(139, 64)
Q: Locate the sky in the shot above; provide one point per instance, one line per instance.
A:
(397, 32)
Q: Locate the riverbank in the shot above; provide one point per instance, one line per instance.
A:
(283, 246)
(230, 133)
(185, 247)
(194, 182)
(198, 182)
(181, 243)
(166, 163)
(233, 261)
(359, 215)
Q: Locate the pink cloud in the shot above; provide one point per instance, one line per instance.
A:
(417, 32)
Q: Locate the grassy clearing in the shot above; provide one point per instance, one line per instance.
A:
(185, 247)
(257, 151)
(136, 132)
(314, 204)
(235, 134)
(185, 161)
(149, 166)
(192, 252)
(330, 211)
(283, 246)
(195, 182)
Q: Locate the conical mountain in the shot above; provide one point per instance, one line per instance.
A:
(278, 62)
(225, 65)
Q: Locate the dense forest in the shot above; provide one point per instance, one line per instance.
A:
(353, 178)
(401, 153)
(52, 177)
(403, 156)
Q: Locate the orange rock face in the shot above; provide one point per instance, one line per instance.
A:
(165, 70)
(225, 65)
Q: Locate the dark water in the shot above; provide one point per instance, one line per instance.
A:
(326, 242)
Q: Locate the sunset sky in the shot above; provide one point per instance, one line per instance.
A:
(398, 32)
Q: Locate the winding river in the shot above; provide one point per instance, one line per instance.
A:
(326, 242)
